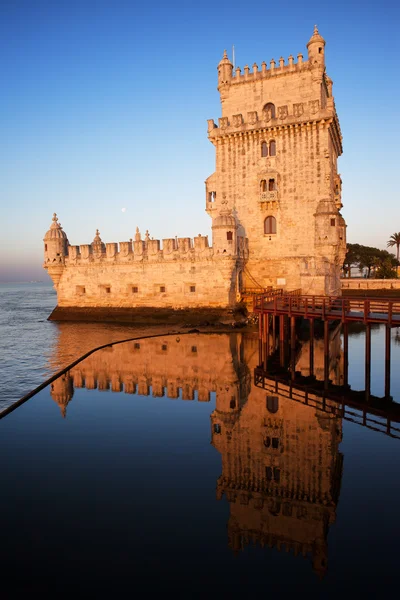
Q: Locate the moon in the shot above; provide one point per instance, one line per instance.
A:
(123, 209)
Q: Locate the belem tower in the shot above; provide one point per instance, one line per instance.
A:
(274, 201)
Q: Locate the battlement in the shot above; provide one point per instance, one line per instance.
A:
(170, 249)
(274, 70)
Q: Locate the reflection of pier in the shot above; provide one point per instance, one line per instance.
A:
(327, 309)
(378, 414)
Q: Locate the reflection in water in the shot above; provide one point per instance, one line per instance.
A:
(281, 466)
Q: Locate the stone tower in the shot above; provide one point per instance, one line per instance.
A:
(277, 144)
(55, 250)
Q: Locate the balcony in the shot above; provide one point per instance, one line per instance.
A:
(271, 196)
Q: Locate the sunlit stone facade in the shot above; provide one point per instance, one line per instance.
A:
(274, 201)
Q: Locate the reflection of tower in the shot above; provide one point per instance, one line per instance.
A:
(62, 390)
(336, 366)
(281, 472)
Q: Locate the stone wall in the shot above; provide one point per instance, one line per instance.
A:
(370, 284)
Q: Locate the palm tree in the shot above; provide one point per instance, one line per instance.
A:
(394, 240)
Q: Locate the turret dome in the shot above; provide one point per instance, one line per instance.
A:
(316, 38)
(225, 219)
(55, 231)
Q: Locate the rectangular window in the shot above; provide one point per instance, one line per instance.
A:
(192, 288)
(162, 289)
(333, 222)
(194, 349)
(136, 346)
(108, 289)
(164, 347)
(80, 290)
(135, 289)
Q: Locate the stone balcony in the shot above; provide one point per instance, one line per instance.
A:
(271, 196)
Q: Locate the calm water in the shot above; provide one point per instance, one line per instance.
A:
(33, 348)
(161, 463)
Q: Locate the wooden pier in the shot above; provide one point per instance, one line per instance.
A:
(278, 313)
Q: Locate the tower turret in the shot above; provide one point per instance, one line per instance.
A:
(224, 71)
(316, 49)
(55, 250)
(224, 233)
(98, 246)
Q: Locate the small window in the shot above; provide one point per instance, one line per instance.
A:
(217, 428)
(192, 288)
(333, 222)
(272, 404)
(272, 148)
(229, 236)
(135, 289)
(271, 185)
(269, 110)
(277, 474)
(267, 442)
(319, 50)
(275, 443)
(268, 473)
(233, 402)
(45, 247)
(80, 290)
(263, 185)
(270, 225)
(162, 289)
(264, 149)
(108, 289)
(136, 346)
(164, 347)
(194, 349)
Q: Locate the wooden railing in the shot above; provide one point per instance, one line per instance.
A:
(369, 310)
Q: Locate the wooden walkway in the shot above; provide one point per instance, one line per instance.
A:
(331, 308)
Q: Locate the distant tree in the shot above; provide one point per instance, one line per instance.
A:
(352, 258)
(386, 269)
(368, 257)
(394, 240)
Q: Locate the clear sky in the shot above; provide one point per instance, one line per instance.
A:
(104, 106)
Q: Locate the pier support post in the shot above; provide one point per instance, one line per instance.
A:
(293, 346)
(345, 354)
(387, 360)
(326, 354)
(282, 340)
(367, 361)
(311, 347)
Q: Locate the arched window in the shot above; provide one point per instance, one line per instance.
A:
(270, 226)
(269, 111)
(271, 184)
(272, 148)
(264, 149)
(272, 404)
(263, 185)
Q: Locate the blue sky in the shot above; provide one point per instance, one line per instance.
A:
(104, 106)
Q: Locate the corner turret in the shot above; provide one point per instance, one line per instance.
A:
(316, 49)
(224, 233)
(55, 250)
(225, 68)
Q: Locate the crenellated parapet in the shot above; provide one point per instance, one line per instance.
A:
(149, 250)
